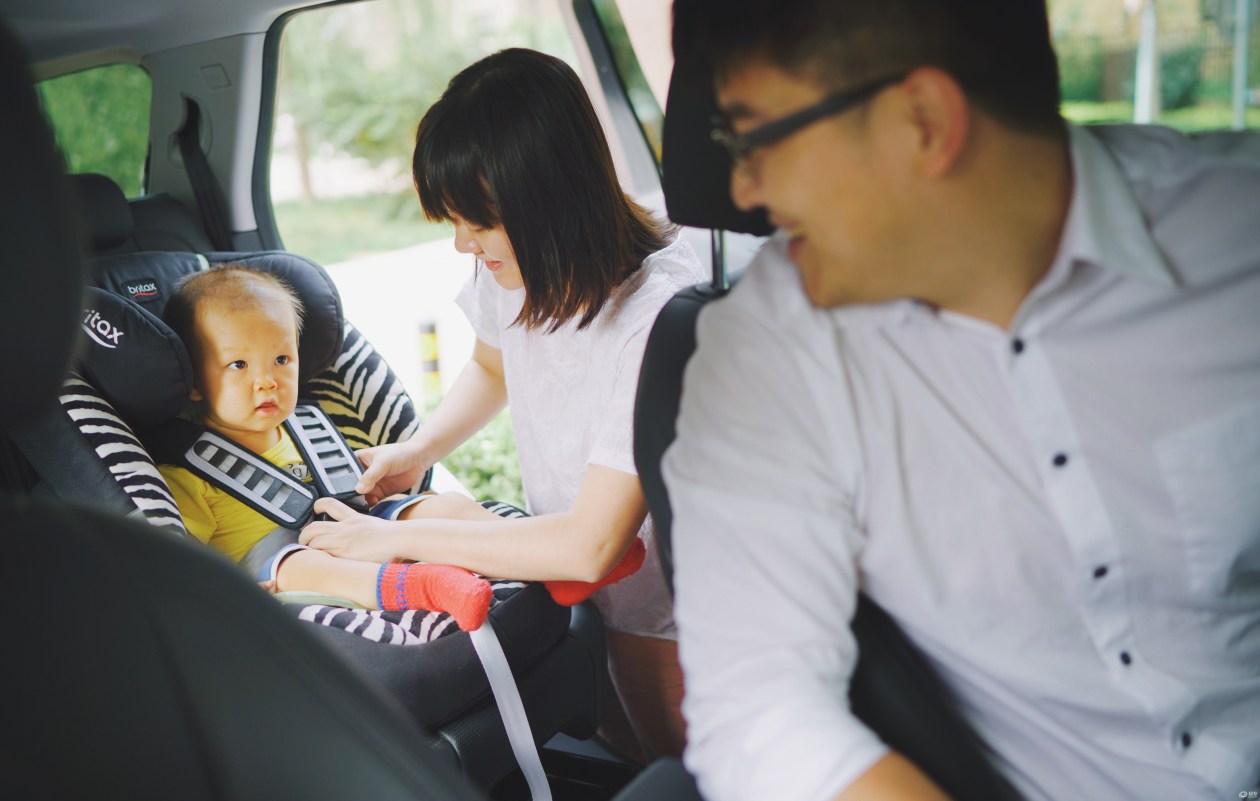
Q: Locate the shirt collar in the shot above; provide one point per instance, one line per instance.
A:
(1105, 226)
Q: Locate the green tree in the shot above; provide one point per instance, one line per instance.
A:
(101, 119)
(358, 78)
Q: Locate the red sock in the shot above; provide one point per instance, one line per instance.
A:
(571, 593)
(438, 588)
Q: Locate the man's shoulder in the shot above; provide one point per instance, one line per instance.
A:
(1159, 157)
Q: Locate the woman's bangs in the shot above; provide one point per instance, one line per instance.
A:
(449, 180)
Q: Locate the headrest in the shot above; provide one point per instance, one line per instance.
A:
(139, 364)
(105, 210)
(42, 263)
(147, 279)
(696, 171)
(134, 359)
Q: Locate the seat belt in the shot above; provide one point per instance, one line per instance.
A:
(269, 490)
(508, 698)
(201, 177)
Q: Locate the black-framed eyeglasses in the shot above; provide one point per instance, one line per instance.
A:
(738, 146)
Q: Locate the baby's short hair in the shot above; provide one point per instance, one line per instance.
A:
(230, 287)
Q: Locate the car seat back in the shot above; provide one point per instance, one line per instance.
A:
(149, 223)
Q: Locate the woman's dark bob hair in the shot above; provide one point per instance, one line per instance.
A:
(515, 141)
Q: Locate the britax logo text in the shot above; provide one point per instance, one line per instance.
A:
(102, 331)
(144, 289)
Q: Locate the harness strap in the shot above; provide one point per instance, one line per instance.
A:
(262, 486)
(272, 492)
(333, 465)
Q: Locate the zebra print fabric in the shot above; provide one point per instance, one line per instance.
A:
(363, 397)
(118, 448)
(399, 628)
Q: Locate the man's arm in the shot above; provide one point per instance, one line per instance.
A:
(761, 480)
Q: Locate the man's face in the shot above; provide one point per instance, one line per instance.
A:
(835, 186)
(247, 370)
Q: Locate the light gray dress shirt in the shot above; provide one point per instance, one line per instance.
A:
(1064, 516)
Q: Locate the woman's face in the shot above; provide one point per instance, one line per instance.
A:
(492, 248)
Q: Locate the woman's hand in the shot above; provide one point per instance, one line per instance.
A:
(349, 534)
(390, 469)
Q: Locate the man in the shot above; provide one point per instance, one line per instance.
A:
(998, 372)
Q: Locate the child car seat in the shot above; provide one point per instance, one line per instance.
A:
(135, 374)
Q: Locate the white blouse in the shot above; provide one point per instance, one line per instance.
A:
(572, 393)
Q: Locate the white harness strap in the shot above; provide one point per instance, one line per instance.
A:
(503, 687)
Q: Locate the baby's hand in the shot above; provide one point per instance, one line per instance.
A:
(268, 586)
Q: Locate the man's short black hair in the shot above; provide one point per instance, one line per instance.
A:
(999, 52)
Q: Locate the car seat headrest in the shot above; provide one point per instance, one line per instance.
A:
(42, 263)
(695, 170)
(134, 359)
(105, 211)
(139, 364)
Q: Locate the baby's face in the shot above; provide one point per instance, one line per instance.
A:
(247, 371)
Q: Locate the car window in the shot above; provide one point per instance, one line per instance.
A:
(637, 35)
(100, 117)
(1175, 63)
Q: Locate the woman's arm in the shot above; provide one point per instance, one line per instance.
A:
(582, 544)
(477, 395)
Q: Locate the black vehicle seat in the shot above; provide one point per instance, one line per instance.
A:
(88, 450)
(151, 222)
(893, 689)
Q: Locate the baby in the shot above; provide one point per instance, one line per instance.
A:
(241, 328)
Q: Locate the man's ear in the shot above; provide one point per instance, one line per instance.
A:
(942, 119)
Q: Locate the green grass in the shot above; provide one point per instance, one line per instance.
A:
(487, 465)
(333, 230)
(1193, 118)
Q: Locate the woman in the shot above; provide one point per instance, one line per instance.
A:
(574, 275)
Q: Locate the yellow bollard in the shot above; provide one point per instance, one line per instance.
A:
(430, 373)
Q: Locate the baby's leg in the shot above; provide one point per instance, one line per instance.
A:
(440, 588)
(444, 506)
(311, 570)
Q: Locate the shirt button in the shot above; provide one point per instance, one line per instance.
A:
(1059, 459)
(1100, 571)
(1017, 346)
(1125, 659)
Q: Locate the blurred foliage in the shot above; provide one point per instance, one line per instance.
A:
(1179, 76)
(1203, 117)
(487, 465)
(101, 120)
(332, 230)
(1080, 68)
(357, 78)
